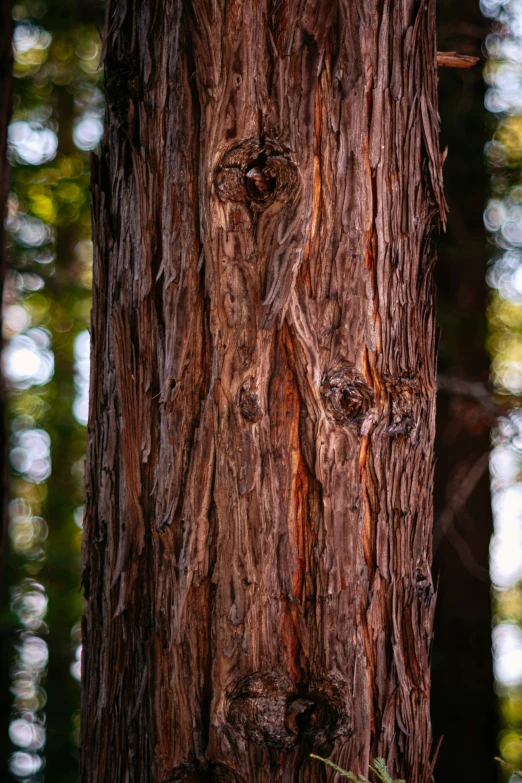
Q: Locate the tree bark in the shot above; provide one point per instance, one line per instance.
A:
(260, 461)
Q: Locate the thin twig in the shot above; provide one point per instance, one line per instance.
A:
(445, 524)
(454, 60)
(477, 391)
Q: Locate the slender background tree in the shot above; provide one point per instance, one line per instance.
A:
(463, 697)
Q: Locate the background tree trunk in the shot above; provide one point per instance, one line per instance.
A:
(257, 542)
(463, 697)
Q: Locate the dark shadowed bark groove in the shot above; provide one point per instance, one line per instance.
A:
(259, 476)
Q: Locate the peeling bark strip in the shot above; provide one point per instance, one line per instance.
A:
(258, 516)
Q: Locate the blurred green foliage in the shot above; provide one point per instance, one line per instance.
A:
(503, 219)
(57, 117)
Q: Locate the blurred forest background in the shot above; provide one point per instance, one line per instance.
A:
(57, 119)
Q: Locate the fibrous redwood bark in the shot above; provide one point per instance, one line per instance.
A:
(259, 474)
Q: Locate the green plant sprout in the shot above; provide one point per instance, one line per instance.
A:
(379, 769)
(509, 768)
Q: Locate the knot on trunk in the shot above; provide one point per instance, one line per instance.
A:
(346, 395)
(266, 709)
(189, 773)
(214, 773)
(325, 716)
(256, 173)
(404, 399)
(257, 709)
(249, 406)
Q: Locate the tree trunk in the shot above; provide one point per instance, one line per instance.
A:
(260, 461)
(464, 702)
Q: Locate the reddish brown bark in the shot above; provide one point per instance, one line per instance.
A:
(259, 477)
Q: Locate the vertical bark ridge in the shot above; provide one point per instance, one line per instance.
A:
(257, 540)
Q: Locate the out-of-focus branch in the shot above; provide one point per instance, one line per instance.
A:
(482, 397)
(480, 392)
(454, 60)
(445, 524)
